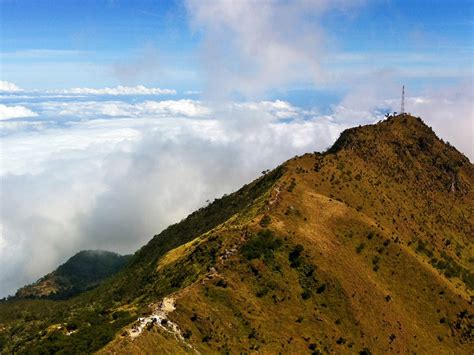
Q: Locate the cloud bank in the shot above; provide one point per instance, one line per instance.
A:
(119, 90)
(8, 112)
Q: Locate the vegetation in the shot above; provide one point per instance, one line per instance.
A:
(262, 245)
(82, 272)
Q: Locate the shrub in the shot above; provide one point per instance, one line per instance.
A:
(321, 289)
(187, 334)
(375, 260)
(263, 244)
(292, 186)
(294, 256)
(360, 247)
(305, 294)
(221, 283)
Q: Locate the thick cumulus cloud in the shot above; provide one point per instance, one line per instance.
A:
(250, 48)
(7, 112)
(6, 86)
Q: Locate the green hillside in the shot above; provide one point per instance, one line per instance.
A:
(82, 272)
(366, 248)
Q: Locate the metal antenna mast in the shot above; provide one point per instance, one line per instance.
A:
(403, 100)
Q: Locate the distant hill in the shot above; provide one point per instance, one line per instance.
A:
(82, 272)
(365, 248)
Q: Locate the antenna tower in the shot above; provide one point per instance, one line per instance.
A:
(402, 110)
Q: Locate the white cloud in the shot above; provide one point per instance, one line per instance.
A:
(118, 90)
(281, 109)
(252, 47)
(149, 108)
(188, 108)
(7, 112)
(6, 86)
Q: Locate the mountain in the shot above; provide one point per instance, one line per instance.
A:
(365, 248)
(82, 272)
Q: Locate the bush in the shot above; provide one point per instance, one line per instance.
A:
(375, 260)
(294, 256)
(321, 289)
(221, 283)
(263, 244)
(305, 294)
(187, 334)
(292, 186)
(360, 247)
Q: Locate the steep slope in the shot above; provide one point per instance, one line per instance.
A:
(87, 322)
(368, 246)
(82, 272)
(364, 248)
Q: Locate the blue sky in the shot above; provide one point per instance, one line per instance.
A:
(102, 145)
(61, 44)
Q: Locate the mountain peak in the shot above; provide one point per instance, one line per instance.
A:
(400, 128)
(404, 147)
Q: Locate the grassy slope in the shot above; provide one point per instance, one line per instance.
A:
(385, 223)
(371, 222)
(36, 326)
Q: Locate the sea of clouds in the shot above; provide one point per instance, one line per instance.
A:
(90, 171)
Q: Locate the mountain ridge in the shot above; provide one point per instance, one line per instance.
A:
(364, 248)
